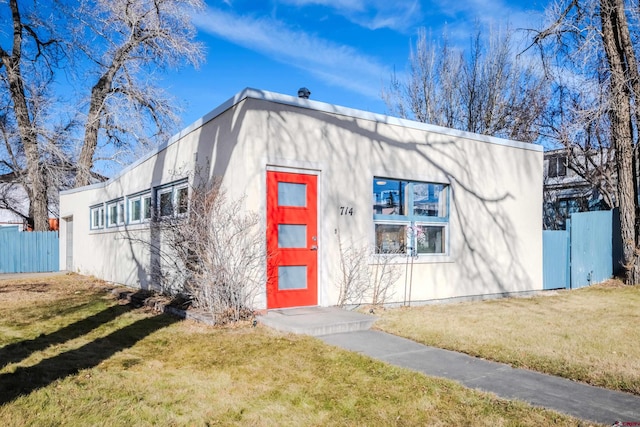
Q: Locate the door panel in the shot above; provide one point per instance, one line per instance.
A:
(292, 240)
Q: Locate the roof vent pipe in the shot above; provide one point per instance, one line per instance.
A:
(303, 92)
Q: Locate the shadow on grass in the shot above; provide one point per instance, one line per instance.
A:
(20, 350)
(27, 379)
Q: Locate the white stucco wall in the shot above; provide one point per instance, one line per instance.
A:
(495, 228)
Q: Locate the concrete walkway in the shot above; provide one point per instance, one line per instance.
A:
(577, 399)
(350, 330)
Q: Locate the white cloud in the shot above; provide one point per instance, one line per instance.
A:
(335, 64)
(399, 15)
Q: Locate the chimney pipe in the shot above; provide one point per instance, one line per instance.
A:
(303, 92)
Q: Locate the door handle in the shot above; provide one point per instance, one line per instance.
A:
(314, 248)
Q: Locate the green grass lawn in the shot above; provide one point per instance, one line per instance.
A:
(590, 334)
(72, 355)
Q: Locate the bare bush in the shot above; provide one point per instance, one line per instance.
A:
(384, 272)
(366, 277)
(354, 277)
(220, 251)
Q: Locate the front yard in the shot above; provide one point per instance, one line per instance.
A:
(71, 354)
(590, 334)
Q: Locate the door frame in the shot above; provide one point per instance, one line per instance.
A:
(293, 169)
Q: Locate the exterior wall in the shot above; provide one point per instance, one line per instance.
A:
(495, 221)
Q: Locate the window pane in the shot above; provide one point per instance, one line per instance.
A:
(430, 239)
(121, 213)
(147, 207)
(292, 236)
(95, 218)
(389, 197)
(182, 200)
(166, 204)
(101, 224)
(113, 214)
(135, 210)
(292, 277)
(290, 194)
(391, 238)
(429, 199)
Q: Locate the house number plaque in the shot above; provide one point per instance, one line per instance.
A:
(346, 210)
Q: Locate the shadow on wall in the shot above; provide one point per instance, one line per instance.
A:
(459, 167)
(212, 155)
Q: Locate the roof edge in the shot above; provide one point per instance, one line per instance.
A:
(279, 98)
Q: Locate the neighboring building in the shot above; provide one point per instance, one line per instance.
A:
(462, 209)
(567, 191)
(14, 202)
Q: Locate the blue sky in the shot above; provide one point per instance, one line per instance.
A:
(344, 51)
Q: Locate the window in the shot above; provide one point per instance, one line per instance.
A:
(115, 213)
(146, 207)
(557, 166)
(139, 208)
(97, 217)
(410, 217)
(165, 202)
(173, 200)
(135, 210)
(182, 200)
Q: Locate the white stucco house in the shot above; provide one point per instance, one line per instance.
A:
(458, 213)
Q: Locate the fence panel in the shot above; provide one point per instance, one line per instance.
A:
(28, 252)
(556, 252)
(591, 247)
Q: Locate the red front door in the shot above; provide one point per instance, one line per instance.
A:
(292, 240)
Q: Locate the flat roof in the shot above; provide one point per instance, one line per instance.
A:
(295, 101)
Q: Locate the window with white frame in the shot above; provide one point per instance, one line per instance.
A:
(135, 210)
(115, 213)
(146, 207)
(139, 208)
(182, 199)
(173, 200)
(410, 217)
(97, 217)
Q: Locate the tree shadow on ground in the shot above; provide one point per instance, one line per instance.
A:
(28, 379)
(21, 350)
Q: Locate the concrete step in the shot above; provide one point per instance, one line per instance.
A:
(316, 321)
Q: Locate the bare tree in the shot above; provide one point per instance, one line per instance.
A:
(488, 90)
(114, 50)
(214, 252)
(590, 42)
(25, 74)
(133, 39)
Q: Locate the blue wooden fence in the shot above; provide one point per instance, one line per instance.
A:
(556, 258)
(28, 252)
(591, 248)
(587, 252)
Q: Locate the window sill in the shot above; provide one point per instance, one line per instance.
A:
(121, 228)
(404, 259)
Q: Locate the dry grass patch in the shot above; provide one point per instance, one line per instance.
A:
(589, 335)
(116, 365)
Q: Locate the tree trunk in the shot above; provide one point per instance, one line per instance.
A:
(99, 94)
(614, 34)
(85, 161)
(35, 182)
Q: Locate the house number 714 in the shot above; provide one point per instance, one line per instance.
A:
(346, 210)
